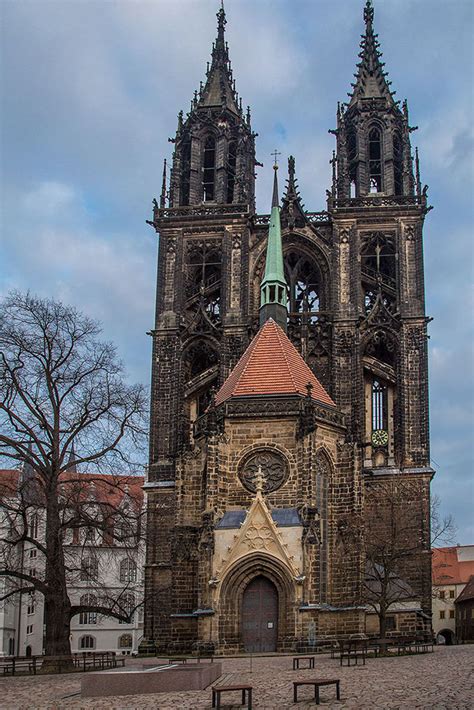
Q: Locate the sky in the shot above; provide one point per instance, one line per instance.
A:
(90, 90)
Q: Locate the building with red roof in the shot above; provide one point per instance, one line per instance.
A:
(452, 567)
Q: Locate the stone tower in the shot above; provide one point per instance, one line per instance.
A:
(346, 285)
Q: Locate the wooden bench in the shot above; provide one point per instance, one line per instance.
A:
(14, 664)
(297, 659)
(246, 691)
(180, 659)
(317, 684)
(352, 650)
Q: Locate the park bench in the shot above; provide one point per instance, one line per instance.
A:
(16, 664)
(317, 684)
(227, 684)
(352, 650)
(297, 659)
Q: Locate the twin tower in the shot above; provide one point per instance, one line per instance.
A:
(289, 375)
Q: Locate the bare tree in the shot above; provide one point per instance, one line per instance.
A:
(443, 527)
(395, 537)
(64, 405)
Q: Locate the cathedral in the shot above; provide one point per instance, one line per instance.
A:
(289, 400)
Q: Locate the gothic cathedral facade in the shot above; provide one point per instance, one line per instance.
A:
(282, 447)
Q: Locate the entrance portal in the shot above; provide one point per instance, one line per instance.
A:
(260, 616)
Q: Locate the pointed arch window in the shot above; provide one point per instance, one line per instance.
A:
(379, 405)
(209, 169)
(352, 160)
(375, 160)
(88, 617)
(304, 285)
(185, 171)
(397, 164)
(231, 168)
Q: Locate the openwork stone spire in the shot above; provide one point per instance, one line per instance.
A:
(371, 82)
(273, 297)
(219, 89)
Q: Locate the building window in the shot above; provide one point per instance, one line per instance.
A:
(31, 606)
(375, 161)
(11, 646)
(125, 641)
(379, 405)
(33, 554)
(451, 593)
(442, 594)
(397, 165)
(185, 171)
(87, 642)
(209, 169)
(88, 617)
(442, 614)
(451, 613)
(29, 629)
(352, 158)
(127, 603)
(231, 165)
(89, 569)
(128, 571)
(390, 623)
(34, 522)
(304, 286)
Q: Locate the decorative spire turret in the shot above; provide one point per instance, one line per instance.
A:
(292, 211)
(273, 297)
(371, 82)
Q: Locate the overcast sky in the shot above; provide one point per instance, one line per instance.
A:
(90, 93)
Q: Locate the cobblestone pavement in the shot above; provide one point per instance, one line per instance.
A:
(443, 680)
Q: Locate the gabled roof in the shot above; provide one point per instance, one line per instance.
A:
(271, 365)
(453, 565)
(468, 592)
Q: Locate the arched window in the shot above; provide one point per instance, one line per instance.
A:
(303, 281)
(209, 169)
(34, 524)
(378, 257)
(127, 603)
(397, 164)
(89, 569)
(204, 279)
(375, 160)
(87, 642)
(231, 166)
(379, 405)
(125, 641)
(351, 157)
(88, 617)
(185, 171)
(128, 570)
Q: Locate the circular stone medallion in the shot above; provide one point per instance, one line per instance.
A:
(274, 468)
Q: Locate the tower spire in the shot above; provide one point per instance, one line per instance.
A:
(371, 82)
(219, 89)
(273, 298)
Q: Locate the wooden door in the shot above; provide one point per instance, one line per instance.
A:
(260, 616)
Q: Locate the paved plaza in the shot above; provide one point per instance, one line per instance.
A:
(440, 680)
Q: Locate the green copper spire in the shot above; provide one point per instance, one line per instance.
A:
(273, 297)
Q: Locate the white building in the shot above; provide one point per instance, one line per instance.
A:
(452, 568)
(103, 565)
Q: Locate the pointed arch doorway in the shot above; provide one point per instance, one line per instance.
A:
(260, 616)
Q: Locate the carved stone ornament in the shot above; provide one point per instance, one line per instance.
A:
(274, 469)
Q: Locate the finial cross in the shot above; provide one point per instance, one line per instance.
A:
(275, 157)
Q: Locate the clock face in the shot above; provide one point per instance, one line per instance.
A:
(380, 437)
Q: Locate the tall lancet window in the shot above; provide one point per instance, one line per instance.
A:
(185, 171)
(352, 159)
(397, 165)
(379, 405)
(231, 165)
(209, 169)
(375, 160)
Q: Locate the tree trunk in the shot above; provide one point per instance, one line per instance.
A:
(56, 603)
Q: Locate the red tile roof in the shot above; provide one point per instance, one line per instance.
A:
(448, 569)
(102, 487)
(271, 365)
